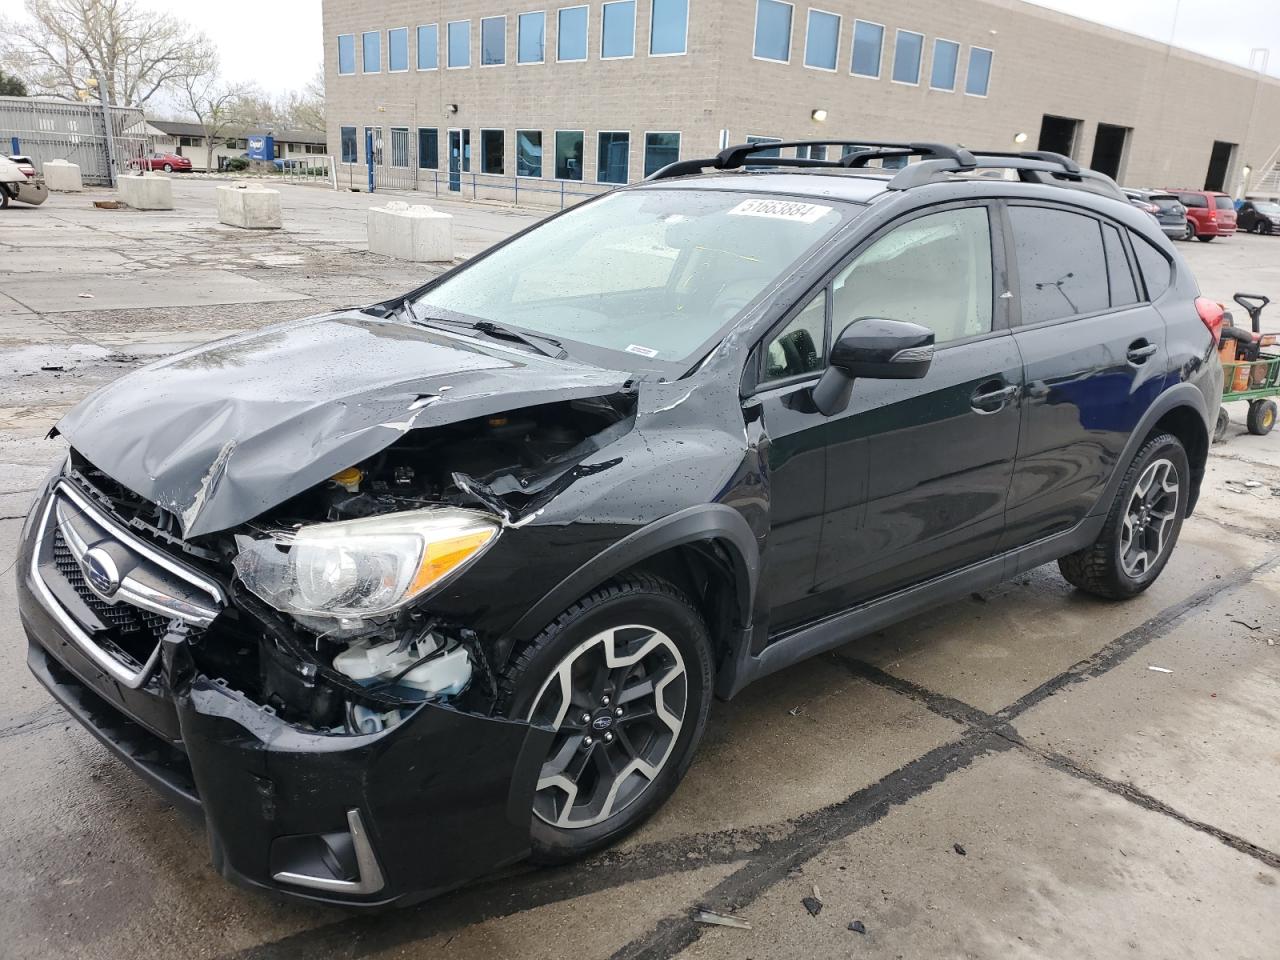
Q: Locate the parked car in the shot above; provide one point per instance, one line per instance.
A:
(461, 585)
(1165, 207)
(168, 162)
(1209, 214)
(1259, 216)
(20, 181)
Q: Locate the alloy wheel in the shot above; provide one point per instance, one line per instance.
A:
(1149, 518)
(617, 704)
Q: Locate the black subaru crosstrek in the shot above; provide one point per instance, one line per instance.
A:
(392, 596)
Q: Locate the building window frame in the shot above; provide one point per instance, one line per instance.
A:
(390, 31)
(483, 21)
(955, 70)
(586, 35)
(555, 156)
(408, 148)
(448, 47)
(604, 7)
(684, 42)
(436, 164)
(879, 50)
(352, 38)
(897, 34)
(484, 157)
(644, 151)
(835, 68)
(542, 155)
(791, 29)
(519, 18)
(355, 143)
(417, 46)
(626, 177)
(991, 62)
(364, 50)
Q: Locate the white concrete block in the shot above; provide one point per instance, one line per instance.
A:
(146, 191)
(249, 206)
(407, 232)
(62, 176)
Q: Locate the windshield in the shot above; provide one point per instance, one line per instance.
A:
(654, 273)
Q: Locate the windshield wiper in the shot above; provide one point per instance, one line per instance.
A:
(491, 329)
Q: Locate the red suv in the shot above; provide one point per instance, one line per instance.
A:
(1209, 213)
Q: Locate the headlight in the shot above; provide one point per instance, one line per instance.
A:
(362, 568)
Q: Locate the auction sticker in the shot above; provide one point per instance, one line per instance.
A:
(643, 351)
(796, 210)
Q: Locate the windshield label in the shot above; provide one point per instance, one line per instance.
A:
(780, 210)
(643, 351)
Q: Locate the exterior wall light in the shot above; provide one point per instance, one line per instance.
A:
(451, 108)
(1019, 138)
(819, 115)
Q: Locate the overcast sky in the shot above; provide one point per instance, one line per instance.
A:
(278, 45)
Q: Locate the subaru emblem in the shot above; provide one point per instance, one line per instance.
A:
(101, 572)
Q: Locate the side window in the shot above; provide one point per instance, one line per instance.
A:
(1123, 290)
(934, 270)
(801, 347)
(1062, 269)
(1156, 270)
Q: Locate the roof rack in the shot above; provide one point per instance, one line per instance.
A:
(744, 154)
(937, 161)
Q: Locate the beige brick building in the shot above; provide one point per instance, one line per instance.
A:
(495, 97)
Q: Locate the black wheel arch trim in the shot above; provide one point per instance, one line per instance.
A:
(700, 523)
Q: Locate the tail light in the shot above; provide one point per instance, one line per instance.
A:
(1211, 315)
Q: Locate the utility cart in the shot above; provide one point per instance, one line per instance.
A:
(1251, 371)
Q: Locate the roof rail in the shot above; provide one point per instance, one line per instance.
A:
(1032, 166)
(744, 154)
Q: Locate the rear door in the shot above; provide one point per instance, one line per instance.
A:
(1095, 359)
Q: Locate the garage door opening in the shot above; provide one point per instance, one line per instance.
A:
(1058, 134)
(1219, 163)
(1108, 149)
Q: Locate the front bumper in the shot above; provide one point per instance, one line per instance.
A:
(387, 818)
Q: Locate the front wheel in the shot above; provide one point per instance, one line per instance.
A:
(1141, 527)
(168, 168)
(624, 678)
(1262, 417)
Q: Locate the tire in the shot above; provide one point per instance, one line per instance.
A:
(1262, 417)
(4, 196)
(627, 617)
(167, 168)
(1191, 231)
(1203, 238)
(1220, 428)
(1106, 568)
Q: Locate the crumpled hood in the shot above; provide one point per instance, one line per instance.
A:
(223, 432)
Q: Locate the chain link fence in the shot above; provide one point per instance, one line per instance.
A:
(104, 144)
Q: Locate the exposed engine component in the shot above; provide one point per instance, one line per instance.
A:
(425, 665)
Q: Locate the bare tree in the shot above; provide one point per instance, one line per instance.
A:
(61, 45)
(216, 106)
(293, 110)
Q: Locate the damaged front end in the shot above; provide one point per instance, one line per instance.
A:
(337, 729)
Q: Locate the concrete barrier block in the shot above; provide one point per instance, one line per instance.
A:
(249, 206)
(62, 176)
(411, 232)
(146, 192)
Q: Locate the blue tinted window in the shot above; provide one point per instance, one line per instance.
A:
(398, 49)
(347, 53)
(946, 56)
(822, 40)
(348, 134)
(531, 37)
(668, 27)
(528, 153)
(568, 154)
(612, 157)
(618, 30)
(371, 44)
(660, 149)
(428, 47)
(907, 50)
(571, 34)
(978, 78)
(428, 148)
(773, 30)
(493, 41)
(459, 37)
(868, 41)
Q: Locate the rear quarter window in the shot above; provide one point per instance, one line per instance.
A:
(1157, 271)
(1123, 289)
(1194, 200)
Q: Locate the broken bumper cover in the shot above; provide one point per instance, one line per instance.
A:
(393, 817)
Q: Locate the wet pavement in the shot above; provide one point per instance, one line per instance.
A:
(1005, 776)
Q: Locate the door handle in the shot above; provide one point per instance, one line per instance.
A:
(993, 395)
(1140, 350)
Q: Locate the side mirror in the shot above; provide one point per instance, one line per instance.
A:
(873, 348)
